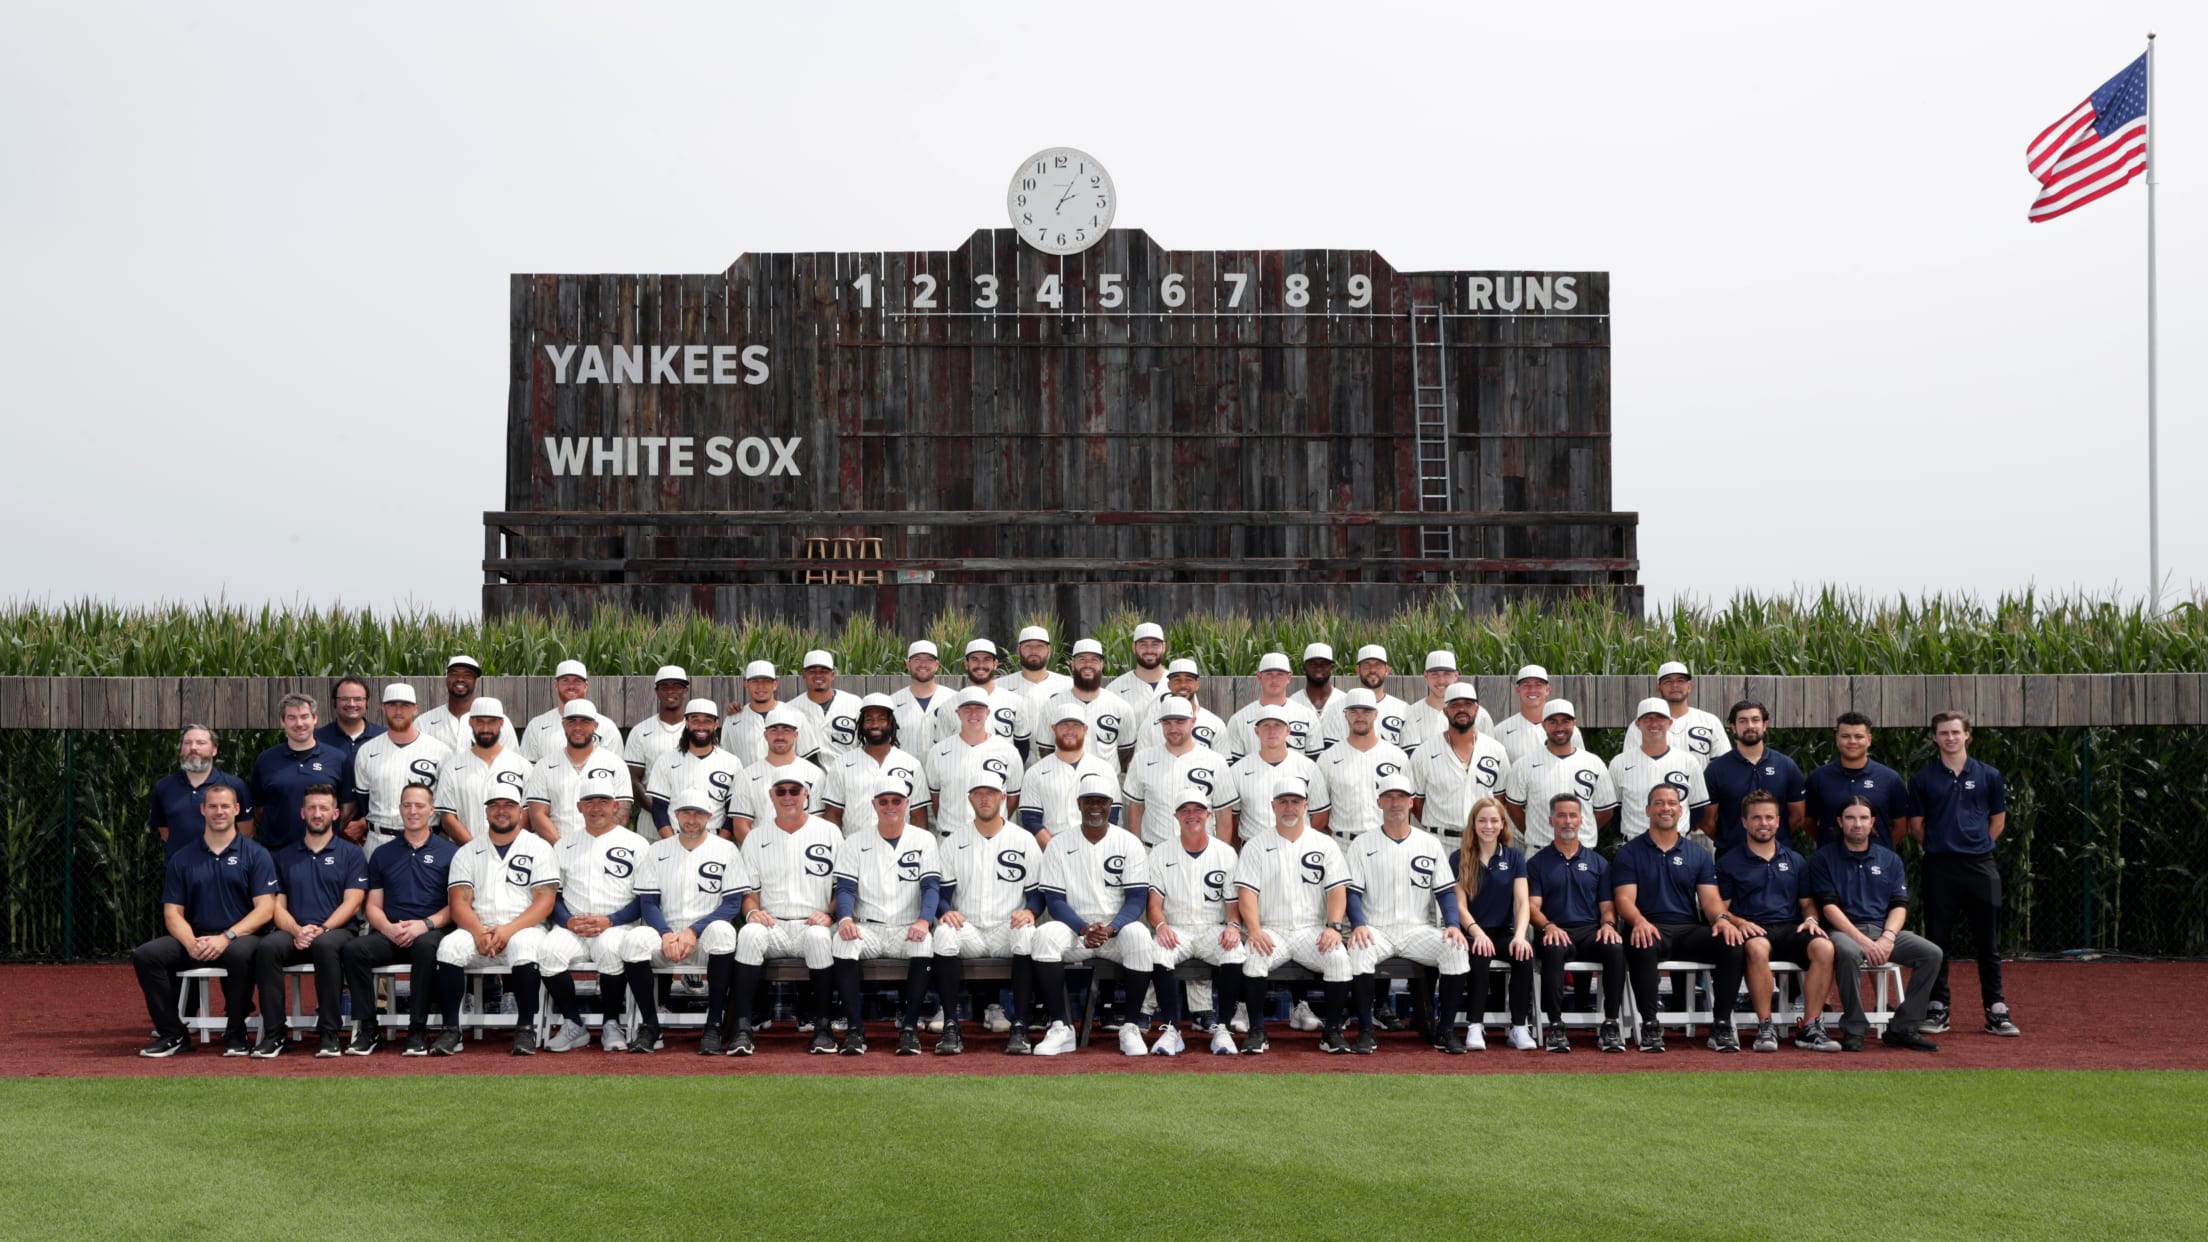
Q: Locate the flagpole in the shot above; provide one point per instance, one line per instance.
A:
(2154, 497)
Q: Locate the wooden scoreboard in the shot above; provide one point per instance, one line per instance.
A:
(1013, 434)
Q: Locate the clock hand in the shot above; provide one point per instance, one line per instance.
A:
(1062, 201)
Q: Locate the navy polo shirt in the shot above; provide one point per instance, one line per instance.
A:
(331, 735)
(1730, 777)
(1571, 890)
(314, 881)
(1958, 807)
(1766, 892)
(1831, 785)
(280, 779)
(216, 890)
(413, 881)
(1491, 904)
(176, 806)
(1666, 880)
(1865, 886)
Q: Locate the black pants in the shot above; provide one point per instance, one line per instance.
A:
(1964, 886)
(361, 958)
(277, 952)
(1521, 980)
(1583, 948)
(1691, 942)
(157, 962)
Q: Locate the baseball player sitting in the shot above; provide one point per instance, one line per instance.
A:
(1096, 887)
(502, 887)
(991, 872)
(1188, 919)
(690, 895)
(594, 925)
(792, 858)
(1293, 893)
(1398, 877)
(887, 889)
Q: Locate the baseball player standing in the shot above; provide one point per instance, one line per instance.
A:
(384, 765)
(698, 762)
(1457, 767)
(1245, 804)
(1189, 875)
(783, 728)
(450, 722)
(690, 895)
(1656, 758)
(1272, 692)
(500, 890)
(323, 882)
(1428, 718)
(888, 889)
(1292, 893)
(792, 858)
(1355, 766)
(546, 732)
(409, 915)
(1146, 680)
(466, 773)
(965, 749)
(1391, 714)
(1397, 883)
(556, 782)
(1522, 732)
(1096, 887)
(916, 700)
(848, 781)
(1318, 679)
(1561, 766)
(597, 923)
(745, 733)
(1048, 791)
(1184, 681)
(834, 714)
(1111, 718)
(1006, 716)
(1697, 732)
(1035, 679)
(1160, 772)
(992, 872)
(661, 732)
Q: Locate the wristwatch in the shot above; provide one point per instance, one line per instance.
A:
(229, 933)
(1342, 928)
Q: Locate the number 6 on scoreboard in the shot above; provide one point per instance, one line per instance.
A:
(1172, 291)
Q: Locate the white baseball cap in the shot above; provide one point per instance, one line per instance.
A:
(985, 779)
(464, 661)
(1148, 629)
(1395, 782)
(1267, 712)
(1183, 665)
(1531, 671)
(671, 672)
(1174, 707)
(1291, 787)
(1318, 651)
(487, 707)
(702, 707)
(1188, 794)
(971, 696)
(399, 692)
(1273, 662)
(571, 668)
(1087, 646)
(779, 717)
(1372, 651)
(1460, 692)
(880, 700)
(1034, 634)
(921, 647)
(981, 646)
(893, 787)
(1068, 710)
(500, 791)
(1653, 707)
(758, 668)
(596, 787)
(1672, 668)
(692, 799)
(1441, 660)
(1360, 698)
(1559, 707)
(579, 707)
(816, 658)
(1096, 785)
(794, 776)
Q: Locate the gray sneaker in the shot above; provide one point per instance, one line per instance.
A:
(1813, 1038)
(1767, 1037)
(1935, 1021)
(1722, 1039)
(1997, 1023)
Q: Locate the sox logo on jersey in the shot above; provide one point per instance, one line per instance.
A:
(820, 859)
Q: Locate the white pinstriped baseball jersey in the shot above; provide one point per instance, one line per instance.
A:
(718, 773)
(1522, 737)
(504, 882)
(1543, 776)
(546, 736)
(992, 875)
(1051, 787)
(1207, 728)
(464, 778)
(1095, 876)
(1353, 783)
(1426, 722)
(744, 734)
(850, 780)
(1138, 692)
(1450, 788)
(915, 721)
(598, 874)
(1193, 887)
(650, 738)
(1249, 785)
(794, 870)
(555, 783)
(382, 769)
(1111, 718)
(1303, 730)
(1396, 880)
(1038, 692)
(1291, 878)
(835, 723)
(456, 731)
(1156, 778)
(762, 775)
(951, 768)
(690, 883)
(888, 873)
(1007, 714)
(1392, 714)
(1634, 773)
(1699, 733)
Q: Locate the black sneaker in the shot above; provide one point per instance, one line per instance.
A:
(1812, 1038)
(646, 1038)
(824, 1040)
(1723, 1039)
(1651, 1038)
(1610, 1037)
(367, 1037)
(908, 1043)
(1256, 1045)
(1386, 1019)
(449, 1043)
(1998, 1022)
(1556, 1040)
(1201, 1023)
(952, 1042)
(333, 1045)
(1935, 1021)
(1368, 1041)
(417, 1045)
(525, 1042)
(237, 1045)
(712, 1043)
(854, 1043)
(166, 1046)
(1451, 1041)
(1330, 1040)
(1907, 1039)
(270, 1047)
(740, 1044)
(1851, 1041)
(1017, 1045)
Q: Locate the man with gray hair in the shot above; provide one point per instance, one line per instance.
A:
(284, 772)
(175, 807)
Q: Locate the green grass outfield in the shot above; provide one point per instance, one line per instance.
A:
(1885, 1155)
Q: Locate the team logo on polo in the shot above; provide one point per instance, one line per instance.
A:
(620, 861)
(1877, 870)
(1678, 861)
(230, 861)
(1011, 866)
(329, 860)
(819, 860)
(1579, 866)
(710, 875)
(908, 865)
(1314, 867)
(1422, 871)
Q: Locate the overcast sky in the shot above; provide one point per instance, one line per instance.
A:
(257, 257)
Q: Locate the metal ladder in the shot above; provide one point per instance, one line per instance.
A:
(1430, 402)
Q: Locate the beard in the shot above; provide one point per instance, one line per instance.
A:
(486, 739)
(1318, 682)
(876, 737)
(700, 738)
(1093, 681)
(196, 766)
(1034, 663)
(1372, 681)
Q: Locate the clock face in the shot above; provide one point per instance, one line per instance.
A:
(1061, 200)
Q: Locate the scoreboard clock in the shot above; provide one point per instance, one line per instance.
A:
(1061, 200)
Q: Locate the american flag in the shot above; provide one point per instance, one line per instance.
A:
(2095, 148)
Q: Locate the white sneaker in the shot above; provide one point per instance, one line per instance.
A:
(1131, 1042)
(1303, 1019)
(1169, 1043)
(1241, 1022)
(994, 1020)
(568, 1037)
(1222, 1043)
(612, 1038)
(1058, 1040)
(1475, 1038)
(509, 1006)
(1521, 1038)
(935, 1024)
